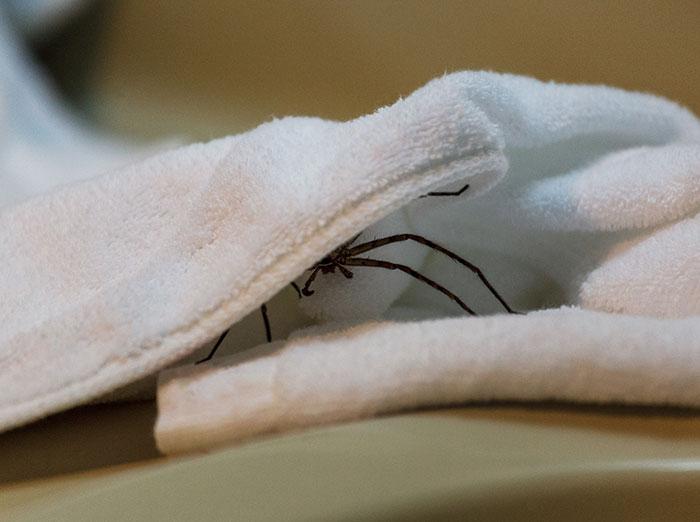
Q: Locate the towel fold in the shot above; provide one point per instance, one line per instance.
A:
(110, 280)
(578, 195)
(377, 368)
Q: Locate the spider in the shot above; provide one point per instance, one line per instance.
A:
(346, 255)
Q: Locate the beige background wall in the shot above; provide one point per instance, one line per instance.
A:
(216, 66)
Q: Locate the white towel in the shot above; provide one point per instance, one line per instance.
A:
(112, 279)
(364, 371)
(596, 210)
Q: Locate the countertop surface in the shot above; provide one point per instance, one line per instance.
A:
(505, 460)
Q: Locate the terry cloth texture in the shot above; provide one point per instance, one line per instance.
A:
(385, 367)
(578, 195)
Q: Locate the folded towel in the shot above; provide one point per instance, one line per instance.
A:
(595, 210)
(376, 368)
(113, 279)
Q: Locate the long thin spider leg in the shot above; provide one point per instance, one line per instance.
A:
(347, 273)
(363, 261)
(268, 335)
(296, 287)
(306, 289)
(354, 238)
(266, 322)
(215, 348)
(371, 245)
(454, 193)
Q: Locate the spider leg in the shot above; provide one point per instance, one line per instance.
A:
(347, 273)
(266, 322)
(363, 261)
(371, 245)
(215, 348)
(306, 290)
(454, 193)
(351, 241)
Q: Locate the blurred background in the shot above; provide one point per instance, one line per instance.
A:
(213, 67)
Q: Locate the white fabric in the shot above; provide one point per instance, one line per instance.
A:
(377, 368)
(596, 210)
(110, 280)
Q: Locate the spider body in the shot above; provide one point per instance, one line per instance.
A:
(336, 260)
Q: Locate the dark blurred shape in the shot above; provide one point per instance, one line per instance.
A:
(81, 439)
(69, 51)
